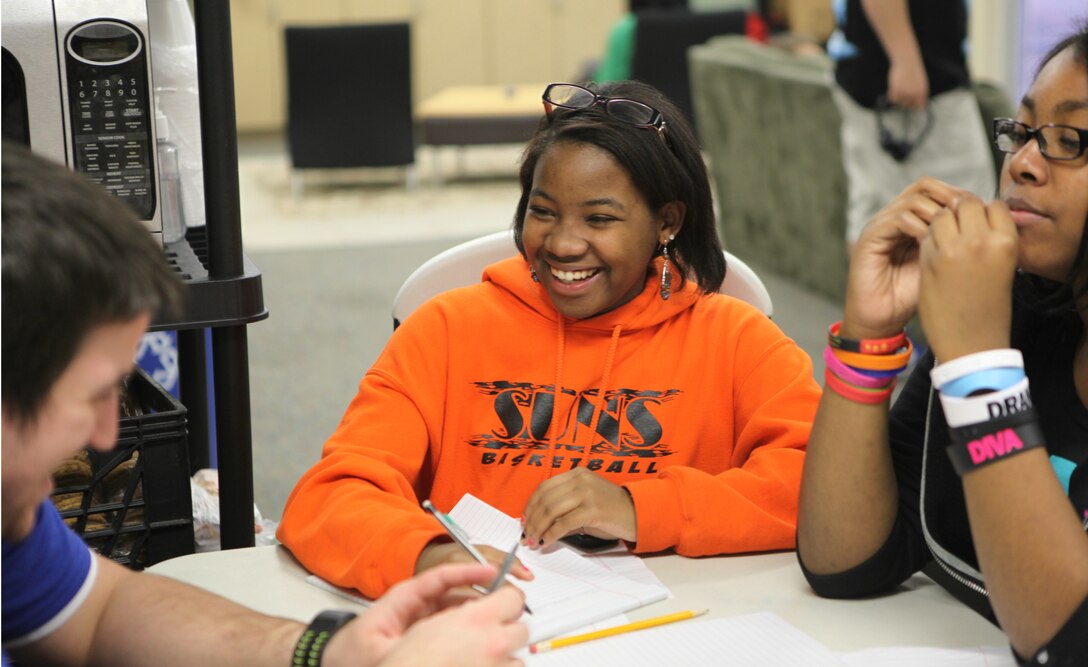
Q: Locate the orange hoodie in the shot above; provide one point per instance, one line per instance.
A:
(706, 410)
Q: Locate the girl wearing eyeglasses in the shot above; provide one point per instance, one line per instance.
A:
(979, 474)
(595, 385)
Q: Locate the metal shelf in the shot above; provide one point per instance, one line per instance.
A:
(224, 288)
(212, 302)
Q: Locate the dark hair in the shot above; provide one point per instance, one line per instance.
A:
(74, 258)
(662, 171)
(1047, 294)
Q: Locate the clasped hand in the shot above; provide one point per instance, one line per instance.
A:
(942, 252)
(968, 265)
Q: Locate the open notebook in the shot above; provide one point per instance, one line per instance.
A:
(570, 590)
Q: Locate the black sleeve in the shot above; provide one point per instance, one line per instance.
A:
(904, 552)
(1068, 648)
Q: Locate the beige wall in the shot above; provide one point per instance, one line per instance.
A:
(453, 42)
(994, 42)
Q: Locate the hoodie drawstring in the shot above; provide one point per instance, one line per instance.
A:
(603, 391)
(553, 429)
(557, 391)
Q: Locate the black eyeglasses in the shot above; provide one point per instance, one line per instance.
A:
(1057, 142)
(632, 112)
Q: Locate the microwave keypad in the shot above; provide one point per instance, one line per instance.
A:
(111, 133)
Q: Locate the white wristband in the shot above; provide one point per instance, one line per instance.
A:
(977, 409)
(979, 361)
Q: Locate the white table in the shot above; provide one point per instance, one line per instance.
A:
(269, 580)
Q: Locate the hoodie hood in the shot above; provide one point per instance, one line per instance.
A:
(647, 309)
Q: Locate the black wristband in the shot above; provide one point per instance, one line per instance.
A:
(311, 645)
(998, 442)
(962, 434)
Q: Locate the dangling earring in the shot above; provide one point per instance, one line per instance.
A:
(532, 274)
(666, 277)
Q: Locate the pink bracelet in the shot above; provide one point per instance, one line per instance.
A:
(849, 374)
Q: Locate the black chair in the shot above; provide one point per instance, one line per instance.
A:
(349, 96)
(662, 39)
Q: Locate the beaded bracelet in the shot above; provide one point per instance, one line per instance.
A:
(865, 345)
(857, 394)
(876, 362)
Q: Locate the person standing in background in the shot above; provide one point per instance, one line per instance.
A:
(903, 90)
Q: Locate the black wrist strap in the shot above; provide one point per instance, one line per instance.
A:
(981, 446)
(311, 645)
(963, 434)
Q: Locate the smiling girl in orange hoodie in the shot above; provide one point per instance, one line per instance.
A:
(595, 384)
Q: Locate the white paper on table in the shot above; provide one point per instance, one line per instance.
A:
(753, 639)
(346, 593)
(569, 590)
(909, 656)
(621, 561)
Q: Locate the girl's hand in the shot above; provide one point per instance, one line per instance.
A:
(968, 265)
(449, 553)
(579, 501)
(882, 291)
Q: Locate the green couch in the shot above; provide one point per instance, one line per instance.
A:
(770, 131)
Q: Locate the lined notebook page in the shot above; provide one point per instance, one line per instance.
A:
(754, 639)
(489, 526)
(569, 590)
(624, 563)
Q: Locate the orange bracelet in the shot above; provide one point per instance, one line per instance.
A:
(876, 362)
(865, 345)
(856, 394)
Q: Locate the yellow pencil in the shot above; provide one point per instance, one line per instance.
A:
(541, 647)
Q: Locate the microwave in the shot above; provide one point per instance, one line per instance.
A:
(77, 88)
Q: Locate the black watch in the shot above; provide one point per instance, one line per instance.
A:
(311, 645)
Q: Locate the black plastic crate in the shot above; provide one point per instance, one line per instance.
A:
(132, 504)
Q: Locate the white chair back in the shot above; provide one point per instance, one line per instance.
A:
(463, 264)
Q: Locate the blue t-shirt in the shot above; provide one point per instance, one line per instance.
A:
(46, 577)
